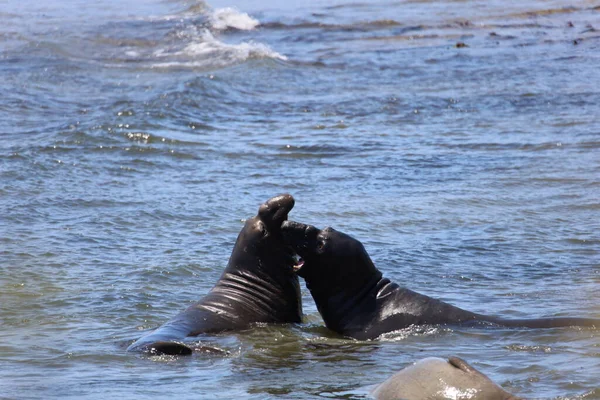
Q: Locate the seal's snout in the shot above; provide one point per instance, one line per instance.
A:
(293, 227)
(284, 201)
(301, 238)
(275, 210)
(296, 234)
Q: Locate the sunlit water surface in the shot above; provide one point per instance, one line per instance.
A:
(460, 141)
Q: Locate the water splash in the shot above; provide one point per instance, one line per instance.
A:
(199, 45)
(206, 51)
(228, 17)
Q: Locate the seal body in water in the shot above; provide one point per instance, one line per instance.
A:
(355, 300)
(438, 379)
(258, 285)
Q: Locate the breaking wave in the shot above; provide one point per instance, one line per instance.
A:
(228, 17)
(193, 38)
(209, 52)
(200, 46)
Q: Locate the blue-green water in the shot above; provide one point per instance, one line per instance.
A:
(136, 138)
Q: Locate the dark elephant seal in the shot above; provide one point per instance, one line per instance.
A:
(258, 285)
(437, 379)
(355, 300)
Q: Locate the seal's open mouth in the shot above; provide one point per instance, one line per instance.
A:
(299, 263)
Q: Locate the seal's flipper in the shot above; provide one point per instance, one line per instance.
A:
(169, 348)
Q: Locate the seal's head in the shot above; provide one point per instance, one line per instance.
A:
(263, 262)
(329, 260)
(260, 239)
(267, 223)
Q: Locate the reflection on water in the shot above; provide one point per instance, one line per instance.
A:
(457, 140)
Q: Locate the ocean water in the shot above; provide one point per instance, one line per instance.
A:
(458, 140)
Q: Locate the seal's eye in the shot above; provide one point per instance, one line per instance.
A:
(262, 228)
(320, 244)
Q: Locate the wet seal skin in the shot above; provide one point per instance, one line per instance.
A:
(355, 300)
(438, 379)
(258, 285)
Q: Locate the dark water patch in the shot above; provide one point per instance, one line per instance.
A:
(155, 152)
(584, 242)
(191, 139)
(559, 180)
(587, 145)
(363, 26)
(526, 147)
(545, 12)
(312, 151)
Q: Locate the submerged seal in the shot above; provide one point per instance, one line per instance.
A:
(355, 300)
(258, 285)
(437, 379)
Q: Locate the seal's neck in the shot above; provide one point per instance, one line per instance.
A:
(339, 306)
(267, 299)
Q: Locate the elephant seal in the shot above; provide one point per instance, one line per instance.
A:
(437, 379)
(355, 300)
(258, 285)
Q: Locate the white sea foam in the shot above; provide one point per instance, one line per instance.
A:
(228, 17)
(218, 19)
(210, 47)
(199, 45)
(208, 52)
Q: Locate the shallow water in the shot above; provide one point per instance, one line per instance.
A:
(458, 140)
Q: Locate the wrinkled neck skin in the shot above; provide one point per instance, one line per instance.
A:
(248, 292)
(258, 285)
(259, 280)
